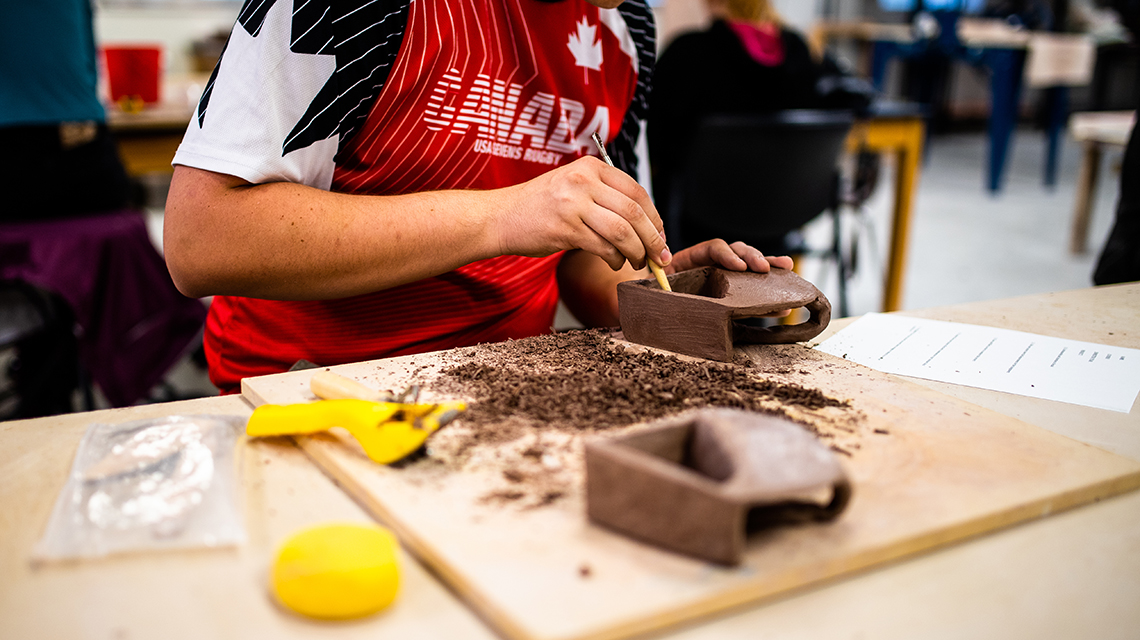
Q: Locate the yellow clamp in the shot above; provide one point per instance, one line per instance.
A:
(388, 431)
(131, 104)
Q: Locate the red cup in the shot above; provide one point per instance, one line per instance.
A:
(133, 73)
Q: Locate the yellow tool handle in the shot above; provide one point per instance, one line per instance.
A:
(659, 273)
(276, 419)
(388, 431)
(297, 419)
(331, 386)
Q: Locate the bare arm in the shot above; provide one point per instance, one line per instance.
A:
(223, 235)
(588, 287)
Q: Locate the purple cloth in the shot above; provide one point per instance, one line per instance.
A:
(133, 322)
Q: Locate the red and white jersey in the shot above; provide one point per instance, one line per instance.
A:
(400, 97)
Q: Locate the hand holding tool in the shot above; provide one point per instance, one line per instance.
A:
(658, 272)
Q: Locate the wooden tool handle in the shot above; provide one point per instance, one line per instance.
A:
(659, 273)
(331, 386)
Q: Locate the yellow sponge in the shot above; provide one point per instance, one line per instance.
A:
(337, 571)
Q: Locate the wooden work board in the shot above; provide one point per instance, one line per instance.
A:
(927, 470)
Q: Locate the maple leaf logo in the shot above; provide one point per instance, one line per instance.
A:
(587, 51)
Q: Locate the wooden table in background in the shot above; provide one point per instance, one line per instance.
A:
(1094, 130)
(901, 135)
(1074, 574)
(148, 139)
(1011, 56)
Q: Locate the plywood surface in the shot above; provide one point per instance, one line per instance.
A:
(943, 470)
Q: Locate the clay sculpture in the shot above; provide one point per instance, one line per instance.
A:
(701, 316)
(698, 483)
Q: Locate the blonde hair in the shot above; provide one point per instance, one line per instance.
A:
(751, 10)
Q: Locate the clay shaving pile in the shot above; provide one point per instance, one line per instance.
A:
(581, 380)
(532, 399)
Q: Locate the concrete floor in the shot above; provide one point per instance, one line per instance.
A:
(969, 245)
(966, 244)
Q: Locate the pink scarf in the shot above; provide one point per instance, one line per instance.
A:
(762, 42)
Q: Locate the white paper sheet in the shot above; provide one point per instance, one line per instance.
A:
(1084, 373)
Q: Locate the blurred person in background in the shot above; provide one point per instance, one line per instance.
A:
(80, 279)
(746, 62)
(1120, 259)
(59, 159)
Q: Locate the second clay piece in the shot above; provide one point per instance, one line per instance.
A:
(698, 483)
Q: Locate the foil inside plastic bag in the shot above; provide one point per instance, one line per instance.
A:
(150, 484)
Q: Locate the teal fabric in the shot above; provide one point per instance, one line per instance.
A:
(47, 62)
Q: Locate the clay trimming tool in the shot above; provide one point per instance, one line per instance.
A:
(658, 272)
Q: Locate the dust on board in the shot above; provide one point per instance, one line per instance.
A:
(531, 402)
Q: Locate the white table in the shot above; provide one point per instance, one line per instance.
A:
(1072, 575)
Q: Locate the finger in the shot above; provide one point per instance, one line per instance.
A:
(624, 223)
(618, 232)
(751, 256)
(690, 258)
(782, 262)
(625, 183)
(631, 201)
(592, 242)
(757, 261)
(723, 255)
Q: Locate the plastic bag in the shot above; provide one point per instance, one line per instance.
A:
(149, 484)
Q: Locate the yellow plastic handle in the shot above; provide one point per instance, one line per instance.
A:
(388, 431)
(297, 419)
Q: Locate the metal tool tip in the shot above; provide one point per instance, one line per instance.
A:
(602, 148)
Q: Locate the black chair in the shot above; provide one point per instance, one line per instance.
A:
(40, 368)
(760, 178)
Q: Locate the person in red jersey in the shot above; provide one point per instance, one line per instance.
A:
(378, 178)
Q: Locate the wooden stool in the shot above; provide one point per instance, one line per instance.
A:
(1093, 130)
